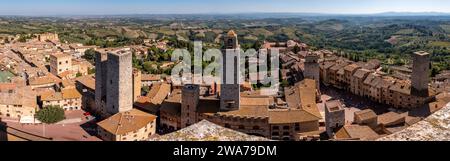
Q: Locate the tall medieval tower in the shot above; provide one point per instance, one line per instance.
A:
(312, 69)
(420, 74)
(230, 87)
(101, 69)
(113, 81)
(189, 101)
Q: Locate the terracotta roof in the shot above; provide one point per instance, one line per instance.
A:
(48, 79)
(24, 96)
(150, 77)
(246, 111)
(67, 83)
(231, 33)
(351, 67)
(6, 87)
(158, 93)
(386, 82)
(88, 81)
(70, 93)
(256, 101)
(327, 64)
(66, 74)
(356, 132)
(365, 114)
(303, 96)
(60, 55)
(125, 122)
(145, 104)
(391, 119)
(172, 104)
(402, 87)
(290, 116)
(338, 66)
(373, 79)
(361, 73)
(51, 96)
(308, 94)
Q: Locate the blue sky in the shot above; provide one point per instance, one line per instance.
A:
(100, 7)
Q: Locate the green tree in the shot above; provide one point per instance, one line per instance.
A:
(145, 89)
(50, 114)
(148, 67)
(89, 55)
(91, 70)
(284, 83)
(434, 71)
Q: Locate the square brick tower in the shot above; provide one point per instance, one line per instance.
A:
(420, 74)
(230, 87)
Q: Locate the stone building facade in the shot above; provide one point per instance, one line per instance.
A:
(67, 99)
(365, 80)
(17, 102)
(60, 63)
(48, 37)
(133, 125)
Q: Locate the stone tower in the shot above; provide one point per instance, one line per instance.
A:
(334, 116)
(119, 84)
(100, 82)
(312, 70)
(189, 102)
(230, 87)
(137, 76)
(420, 74)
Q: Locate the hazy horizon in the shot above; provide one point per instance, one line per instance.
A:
(118, 7)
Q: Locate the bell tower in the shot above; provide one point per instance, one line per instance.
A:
(230, 87)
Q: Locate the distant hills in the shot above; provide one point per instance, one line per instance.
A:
(412, 14)
(249, 15)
